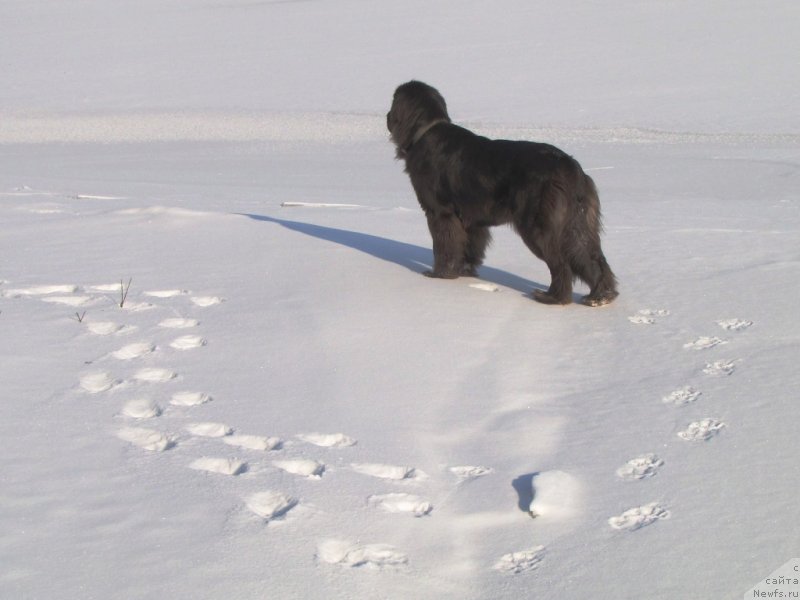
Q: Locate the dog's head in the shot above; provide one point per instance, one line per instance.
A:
(415, 108)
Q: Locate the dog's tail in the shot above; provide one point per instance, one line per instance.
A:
(590, 264)
(589, 200)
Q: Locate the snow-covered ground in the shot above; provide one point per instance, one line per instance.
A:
(284, 407)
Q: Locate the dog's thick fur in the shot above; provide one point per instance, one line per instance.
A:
(466, 183)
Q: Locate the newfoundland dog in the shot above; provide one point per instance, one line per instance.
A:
(466, 183)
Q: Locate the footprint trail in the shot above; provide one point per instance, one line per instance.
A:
(701, 431)
(304, 467)
(189, 399)
(132, 351)
(209, 429)
(638, 517)
(187, 342)
(349, 554)
(401, 503)
(95, 383)
(221, 466)
(270, 505)
(720, 368)
(685, 395)
(141, 408)
(640, 467)
(147, 439)
(179, 323)
(253, 442)
(734, 324)
(381, 471)
(327, 440)
(154, 375)
(520, 562)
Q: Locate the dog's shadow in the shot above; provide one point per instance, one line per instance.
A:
(414, 258)
(523, 485)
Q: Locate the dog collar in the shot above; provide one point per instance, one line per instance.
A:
(419, 135)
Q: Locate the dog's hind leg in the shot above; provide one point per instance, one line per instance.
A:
(449, 245)
(544, 247)
(541, 227)
(560, 290)
(478, 239)
(601, 280)
(589, 263)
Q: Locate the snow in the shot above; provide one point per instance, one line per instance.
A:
(556, 495)
(270, 505)
(284, 407)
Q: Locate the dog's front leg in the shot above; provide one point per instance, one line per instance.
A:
(478, 238)
(449, 245)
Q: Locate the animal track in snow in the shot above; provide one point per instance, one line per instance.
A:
(401, 503)
(147, 439)
(654, 312)
(704, 343)
(132, 351)
(206, 301)
(270, 505)
(700, 431)
(381, 471)
(646, 316)
(105, 287)
(165, 293)
(94, 383)
(640, 467)
(253, 442)
(41, 290)
(519, 562)
(223, 466)
(189, 398)
(105, 327)
(685, 395)
(178, 323)
(641, 320)
(154, 375)
(138, 306)
(641, 516)
(187, 342)
(327, 440)
(734, 324)
(469, 472)
(301, 466)
(208, 429)
(141, 408)
(719, 368)
(68, 300)
(348, 554)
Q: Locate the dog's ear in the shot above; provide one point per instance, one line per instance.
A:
(441, 105)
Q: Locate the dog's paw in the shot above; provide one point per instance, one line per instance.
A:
(547, 298)
(600, 299)
(440, 275)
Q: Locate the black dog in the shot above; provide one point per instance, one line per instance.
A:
(466, 183)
